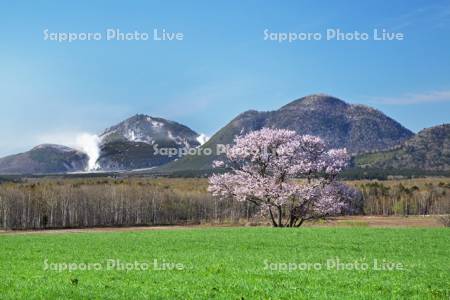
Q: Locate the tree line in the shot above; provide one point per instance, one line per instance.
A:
(65, 203)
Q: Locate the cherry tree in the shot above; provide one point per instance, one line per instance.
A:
(263, 168)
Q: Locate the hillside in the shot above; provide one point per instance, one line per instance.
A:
(46, 158)
(428, 150)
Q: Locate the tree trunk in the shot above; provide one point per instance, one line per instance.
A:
(300, 223)
(274, 224)
(280, 222)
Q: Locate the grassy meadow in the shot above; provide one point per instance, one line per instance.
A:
(228, 263)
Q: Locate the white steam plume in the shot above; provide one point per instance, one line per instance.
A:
(85, 142)
(89, 144)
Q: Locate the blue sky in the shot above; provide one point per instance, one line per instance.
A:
(50, 91)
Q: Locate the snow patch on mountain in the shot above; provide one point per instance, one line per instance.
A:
(131, 136)
(202, 138)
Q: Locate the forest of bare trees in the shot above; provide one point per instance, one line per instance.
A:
(64, 203)
(88, 203)
(417, 198)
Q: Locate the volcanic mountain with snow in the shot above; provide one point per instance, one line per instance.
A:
(131, 144)
(151, 130)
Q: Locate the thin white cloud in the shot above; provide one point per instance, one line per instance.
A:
(416, 98)
(434, 15)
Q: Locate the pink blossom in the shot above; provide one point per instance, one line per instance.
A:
(218, 164)
(264, 164)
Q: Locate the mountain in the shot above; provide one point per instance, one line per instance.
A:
(358, 128)
(428, 150)
(132, 144)
(46, 158)
(150, 130)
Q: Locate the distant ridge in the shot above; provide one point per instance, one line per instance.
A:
(428, 150)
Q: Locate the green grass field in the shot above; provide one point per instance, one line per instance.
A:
(228, 263)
